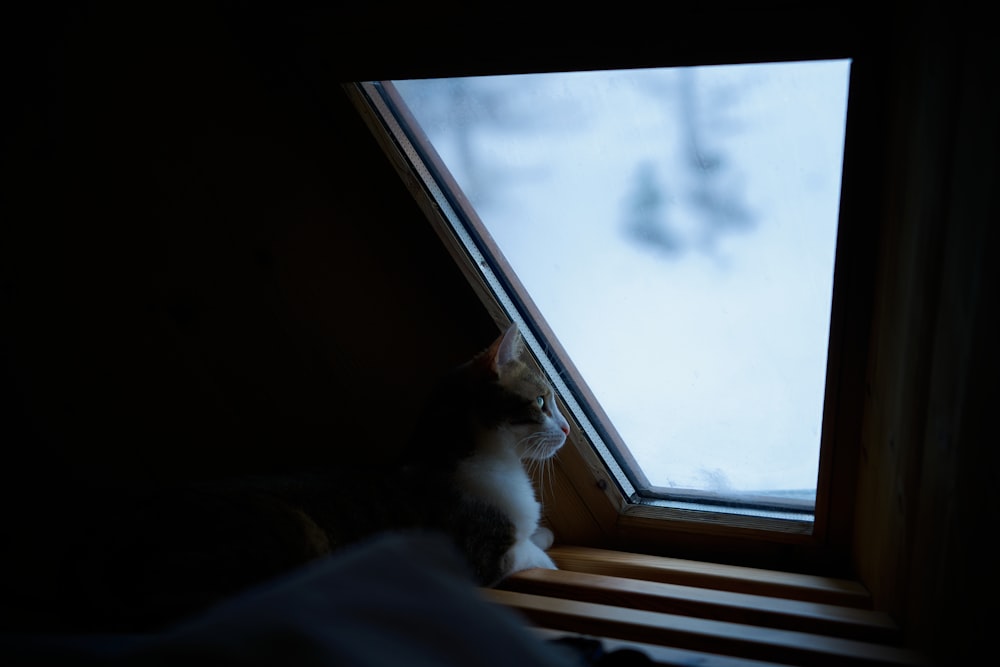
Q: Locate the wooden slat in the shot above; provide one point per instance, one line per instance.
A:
(733, 578)
(661, 655)
(697, 634)
(832, 620)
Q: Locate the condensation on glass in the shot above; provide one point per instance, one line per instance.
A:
(677, 229)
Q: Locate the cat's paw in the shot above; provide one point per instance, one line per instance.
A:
(543, 538)
(526, 555)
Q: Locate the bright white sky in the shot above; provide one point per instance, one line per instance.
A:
(710, 359)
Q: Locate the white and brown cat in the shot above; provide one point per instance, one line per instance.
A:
(464, 471)
(501, 413)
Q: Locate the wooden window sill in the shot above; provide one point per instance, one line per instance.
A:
(714, 614)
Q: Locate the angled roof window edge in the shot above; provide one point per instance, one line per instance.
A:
(455, 219)
(461, 221)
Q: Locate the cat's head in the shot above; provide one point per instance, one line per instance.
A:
(516, 400)
(494, 399)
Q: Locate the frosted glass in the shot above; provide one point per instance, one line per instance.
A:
(677, 229)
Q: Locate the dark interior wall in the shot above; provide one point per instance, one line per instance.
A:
(206, 268)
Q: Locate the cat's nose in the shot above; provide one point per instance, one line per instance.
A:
(565, 429)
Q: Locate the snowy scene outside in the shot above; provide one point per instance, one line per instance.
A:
(676, 228)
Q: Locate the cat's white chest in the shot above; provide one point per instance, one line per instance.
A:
(496, 475)
(501, 481)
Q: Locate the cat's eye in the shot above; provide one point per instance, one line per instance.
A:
(667, 240)
(540, 401)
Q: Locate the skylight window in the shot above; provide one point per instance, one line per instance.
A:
(676, 230)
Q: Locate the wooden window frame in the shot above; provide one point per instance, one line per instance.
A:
(584, 503)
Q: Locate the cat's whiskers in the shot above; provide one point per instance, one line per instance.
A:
(545, 478)
(538, 461)
(549, 478)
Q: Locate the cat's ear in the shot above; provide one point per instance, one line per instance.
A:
(505, 348)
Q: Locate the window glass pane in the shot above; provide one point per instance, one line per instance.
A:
(676, 228)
